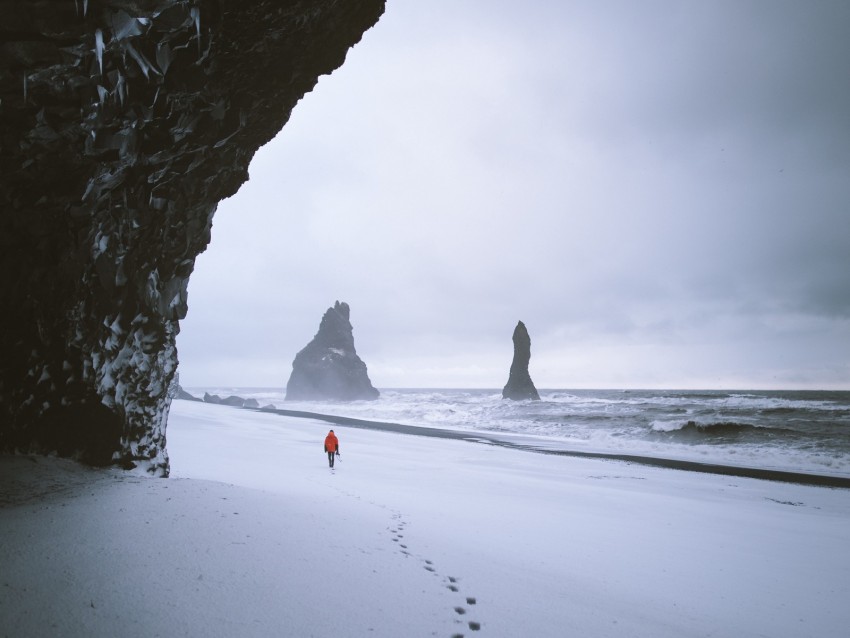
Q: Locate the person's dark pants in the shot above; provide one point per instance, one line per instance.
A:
(331, 459)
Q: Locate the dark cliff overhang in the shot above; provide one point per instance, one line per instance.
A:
(122, 124)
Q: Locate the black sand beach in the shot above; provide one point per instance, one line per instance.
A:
(802, 478)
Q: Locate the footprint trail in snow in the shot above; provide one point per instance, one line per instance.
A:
(460, 611)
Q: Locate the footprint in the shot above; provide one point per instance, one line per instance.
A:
(460, 610)
(453, 588)
(475, 626)
(429, 568)
(470, 601)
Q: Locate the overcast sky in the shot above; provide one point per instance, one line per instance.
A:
(659, 190)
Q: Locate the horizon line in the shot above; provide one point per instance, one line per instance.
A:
(563, 389)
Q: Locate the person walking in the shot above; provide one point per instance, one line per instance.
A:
(331, 447)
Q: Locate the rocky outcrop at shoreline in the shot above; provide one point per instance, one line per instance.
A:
(122, 125)
(520, 386)
(232, 401)
(329, 367)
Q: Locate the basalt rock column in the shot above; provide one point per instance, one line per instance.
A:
(122, 124)
(520, 386)
(328, 367)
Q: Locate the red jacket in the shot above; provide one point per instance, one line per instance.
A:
(331, 442)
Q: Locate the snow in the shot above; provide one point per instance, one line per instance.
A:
(98, 48)
(255, 536)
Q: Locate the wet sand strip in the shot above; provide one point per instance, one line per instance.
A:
(802, 478)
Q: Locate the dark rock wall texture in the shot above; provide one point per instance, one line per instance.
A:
(520, 386)
(122, 124)
(329, 367)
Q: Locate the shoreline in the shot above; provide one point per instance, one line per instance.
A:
(253, 535)
(782, 476)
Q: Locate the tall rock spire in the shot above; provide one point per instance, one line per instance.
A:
(328, 367)
(520, 386)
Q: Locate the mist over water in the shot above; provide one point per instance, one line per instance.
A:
(806, 431)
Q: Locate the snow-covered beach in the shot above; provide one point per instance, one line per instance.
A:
(409, 536)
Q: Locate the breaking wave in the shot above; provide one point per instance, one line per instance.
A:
(725, 430)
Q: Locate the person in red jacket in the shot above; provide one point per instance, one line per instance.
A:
(331, 447)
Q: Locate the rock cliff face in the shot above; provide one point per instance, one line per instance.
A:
(122, 124)
(328, 367)
(520, 386)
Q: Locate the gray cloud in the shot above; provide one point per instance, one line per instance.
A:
(659, 190)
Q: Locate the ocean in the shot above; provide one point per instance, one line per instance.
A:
(798, 431)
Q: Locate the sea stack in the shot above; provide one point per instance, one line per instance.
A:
(520, 386)
(328, 367)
